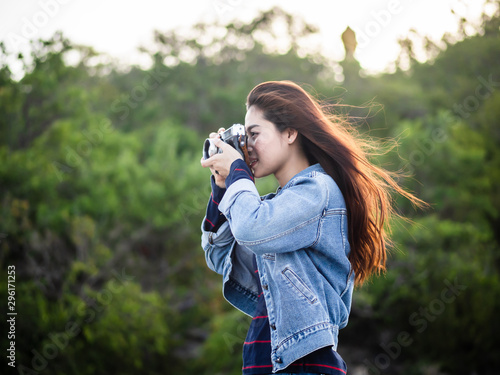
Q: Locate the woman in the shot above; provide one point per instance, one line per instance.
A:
(290, 259)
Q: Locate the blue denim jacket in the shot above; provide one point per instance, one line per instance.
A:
(299, 237)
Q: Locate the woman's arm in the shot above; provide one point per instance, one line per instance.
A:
(217, 247)
(288, 222)
(216, 239)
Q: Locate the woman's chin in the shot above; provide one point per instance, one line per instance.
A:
(252, 168)
(259, 174)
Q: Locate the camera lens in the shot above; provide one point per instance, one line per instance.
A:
(209, 148)
(206, 146)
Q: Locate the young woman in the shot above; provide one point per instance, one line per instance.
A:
(290, 259)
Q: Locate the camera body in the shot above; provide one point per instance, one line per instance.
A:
(235, 136)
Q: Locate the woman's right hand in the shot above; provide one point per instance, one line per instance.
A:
(219, 180)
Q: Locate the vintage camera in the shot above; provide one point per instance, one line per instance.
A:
(235, 136)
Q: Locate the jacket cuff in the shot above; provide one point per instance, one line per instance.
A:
(239, 170)
(213, 217)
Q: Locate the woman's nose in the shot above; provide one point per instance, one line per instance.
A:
(250, 145)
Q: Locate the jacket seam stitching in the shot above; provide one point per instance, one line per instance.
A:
(328, 325)
(291, 230)
(241, 288)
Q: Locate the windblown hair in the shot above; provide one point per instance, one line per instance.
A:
(328, 139)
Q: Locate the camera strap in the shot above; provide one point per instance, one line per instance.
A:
(243, 146)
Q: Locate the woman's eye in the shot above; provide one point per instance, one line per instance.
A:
(253, 134)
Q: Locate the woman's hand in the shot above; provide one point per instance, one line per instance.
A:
(219, 180)
(220, 164)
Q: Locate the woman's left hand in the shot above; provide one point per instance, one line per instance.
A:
(222, 162)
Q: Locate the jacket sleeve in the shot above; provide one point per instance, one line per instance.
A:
(288, 222)
(233, 262)
(217, 247)
(216, 239)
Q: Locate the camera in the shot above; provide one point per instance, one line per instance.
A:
(235, 136)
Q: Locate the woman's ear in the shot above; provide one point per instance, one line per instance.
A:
(292, 135)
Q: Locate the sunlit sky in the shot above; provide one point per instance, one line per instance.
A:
(118, 27)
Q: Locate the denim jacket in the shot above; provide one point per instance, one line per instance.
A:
(299, 238)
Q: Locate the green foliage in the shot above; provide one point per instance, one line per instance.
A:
(117, 321)
(221, 352)
(102, 196)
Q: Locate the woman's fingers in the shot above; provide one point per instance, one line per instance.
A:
(220, 163)
(216, 135)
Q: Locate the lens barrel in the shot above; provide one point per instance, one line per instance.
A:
(209, 148)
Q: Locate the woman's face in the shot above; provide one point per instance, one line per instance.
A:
(268, 149)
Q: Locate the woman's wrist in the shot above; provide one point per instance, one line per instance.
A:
(217, 190)
(239, 170)
(213, 217)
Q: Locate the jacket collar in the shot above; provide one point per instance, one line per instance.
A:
(308, 172)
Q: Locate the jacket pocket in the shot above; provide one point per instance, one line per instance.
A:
(298, 284)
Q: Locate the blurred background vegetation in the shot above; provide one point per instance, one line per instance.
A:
(102, 196)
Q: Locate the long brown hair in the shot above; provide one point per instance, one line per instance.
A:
(329, 140)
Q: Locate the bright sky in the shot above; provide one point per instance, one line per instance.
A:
(118, 27)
